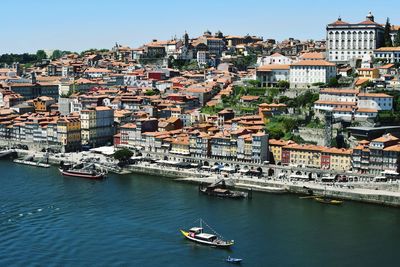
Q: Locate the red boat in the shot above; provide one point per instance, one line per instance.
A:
(80, 171)
(83, 174)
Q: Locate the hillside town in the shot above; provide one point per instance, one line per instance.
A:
(331, 104)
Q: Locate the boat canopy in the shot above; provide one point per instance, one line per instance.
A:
(205, 236)
(196, 229)
(221, 190)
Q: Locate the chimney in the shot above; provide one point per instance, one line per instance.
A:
(33, 77)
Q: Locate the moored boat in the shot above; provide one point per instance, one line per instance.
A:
(196, 234)
(88, 171)
(219, 189)
(325, 200)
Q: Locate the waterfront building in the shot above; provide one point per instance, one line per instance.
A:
(259, 147)
(88, 125)
(304, 73)
(222, 146)
(200, 145)
(349, 41)
(302, 155)
(336, 159)
(97, 126)
(377, 150)
(360, 157)
(275, 148)
(180, 145)
(69, 133)
(379, 157)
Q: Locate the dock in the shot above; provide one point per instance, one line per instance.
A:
(32, 163)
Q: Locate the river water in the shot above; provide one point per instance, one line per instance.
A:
(133, 220)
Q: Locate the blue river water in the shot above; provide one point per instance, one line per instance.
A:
(134, 220)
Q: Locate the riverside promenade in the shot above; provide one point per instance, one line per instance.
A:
(383, 193)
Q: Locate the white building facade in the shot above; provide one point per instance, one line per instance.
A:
(388, 54)
(307, 72)
(274, 59)
(270, 75)
(375, 101)
(349, 41)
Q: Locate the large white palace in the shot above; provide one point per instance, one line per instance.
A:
(348, 41)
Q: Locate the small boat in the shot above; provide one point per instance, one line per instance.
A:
(88, 171)
(219, 189)
(233, 260)
(325, 200)
(196, 234)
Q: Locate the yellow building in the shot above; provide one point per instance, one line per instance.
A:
(338, 159)
(69, 133)
(89, 125)
(180, 145)
(368, 73)
(275, 147)
(302, 155)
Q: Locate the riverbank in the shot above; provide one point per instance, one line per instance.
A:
(376, 193)
(339, 190)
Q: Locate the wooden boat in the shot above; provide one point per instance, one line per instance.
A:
(83, 174)
(219, 189)
(325, 200)
(196, 234)
(88, 171)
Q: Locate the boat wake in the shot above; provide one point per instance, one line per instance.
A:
(12, 216)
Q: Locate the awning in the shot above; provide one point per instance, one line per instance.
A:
(105, 150)
(227, 169)
(390, 172)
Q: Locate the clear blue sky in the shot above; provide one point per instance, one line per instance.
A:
(77, 25)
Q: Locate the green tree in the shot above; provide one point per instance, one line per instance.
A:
(333, 82)
(289, 124)
(275, 131)
(150, 92)
(283, 84)
(386, 34)
(56, 54)
(397, 38)
(123, 154)
(40, 54)
(255, 83)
